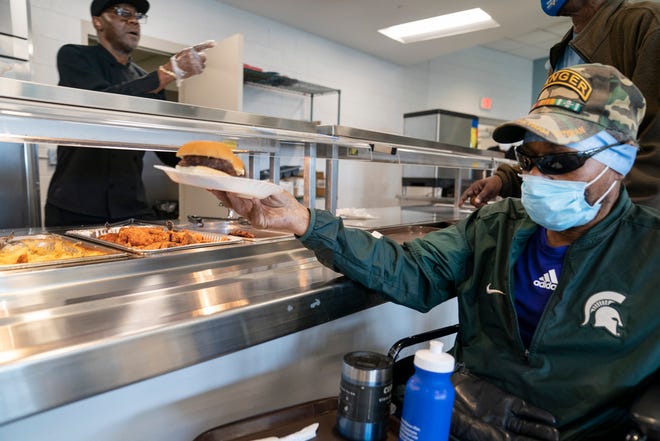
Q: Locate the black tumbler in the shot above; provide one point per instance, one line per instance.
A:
(365, 394)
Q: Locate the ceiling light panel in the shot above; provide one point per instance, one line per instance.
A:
(446, 25)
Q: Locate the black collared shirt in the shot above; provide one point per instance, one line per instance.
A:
(93, 181)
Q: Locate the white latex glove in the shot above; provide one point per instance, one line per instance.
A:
(280, 211)
(190, 61)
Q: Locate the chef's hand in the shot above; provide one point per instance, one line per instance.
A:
(188, 62)
(482, 411)
(280, 211)
(482, 191)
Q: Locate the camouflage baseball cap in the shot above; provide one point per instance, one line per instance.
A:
(579, 102)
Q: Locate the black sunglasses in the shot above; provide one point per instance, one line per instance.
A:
(556, 163)
(126, 14)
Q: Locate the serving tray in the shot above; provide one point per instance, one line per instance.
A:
(63, 250)
(93, 234)
(229, 227)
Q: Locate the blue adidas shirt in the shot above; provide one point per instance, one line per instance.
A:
(536, 274)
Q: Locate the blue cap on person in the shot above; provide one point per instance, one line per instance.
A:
(552, 7)
(98, 6)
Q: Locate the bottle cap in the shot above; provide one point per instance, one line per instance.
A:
(434, 359)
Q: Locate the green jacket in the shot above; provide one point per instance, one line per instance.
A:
(598, 341)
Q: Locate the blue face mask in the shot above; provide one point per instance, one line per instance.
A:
(558, 204)
(552, 7)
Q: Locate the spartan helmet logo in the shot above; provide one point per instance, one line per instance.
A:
(605, 315)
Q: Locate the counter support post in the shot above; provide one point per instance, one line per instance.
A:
(458, 186)
(332, 180)
(309, 175)
(252, 167)
(274, 165)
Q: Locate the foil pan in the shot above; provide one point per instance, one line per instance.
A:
(93, 234)
(235, 228)
(39, 250)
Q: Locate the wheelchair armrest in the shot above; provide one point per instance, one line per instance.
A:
(404, 368)
(646, 412)
(419, 338)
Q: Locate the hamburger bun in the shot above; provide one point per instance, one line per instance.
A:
(210, 157)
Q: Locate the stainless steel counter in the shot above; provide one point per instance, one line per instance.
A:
(69, 333)
(413, 215)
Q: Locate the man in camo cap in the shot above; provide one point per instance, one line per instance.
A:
(557, 294)
(593, 111)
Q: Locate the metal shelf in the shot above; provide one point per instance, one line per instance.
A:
(38, 113)
(280, 83)
(52, 114)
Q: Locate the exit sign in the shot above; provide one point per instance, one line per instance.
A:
(486, 103)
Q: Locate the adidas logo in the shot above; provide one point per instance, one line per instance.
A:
(547, 280)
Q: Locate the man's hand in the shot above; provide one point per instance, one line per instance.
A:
(190, 61)
(280, 211)
(184, 64)
(482, 191)
(482, 411)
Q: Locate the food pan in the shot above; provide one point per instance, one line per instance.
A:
(282, 422)
(235, 229)
(40, 250)
(254, 235)
(93, 234)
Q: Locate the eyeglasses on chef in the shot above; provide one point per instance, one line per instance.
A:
(556, 163)
(127, 14)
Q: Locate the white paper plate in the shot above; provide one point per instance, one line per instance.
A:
(247, 188)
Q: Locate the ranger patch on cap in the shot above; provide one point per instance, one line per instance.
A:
(571, 80)
(578, 102)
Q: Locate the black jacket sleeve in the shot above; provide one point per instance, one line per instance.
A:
(168, 158)
(80, 67)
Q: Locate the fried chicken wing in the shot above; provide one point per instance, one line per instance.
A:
(150, 238)
(186, 237)
(241, 233)
(139, 237)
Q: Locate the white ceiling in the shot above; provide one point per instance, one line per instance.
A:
(524, 29)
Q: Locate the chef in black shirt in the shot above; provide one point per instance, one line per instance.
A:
(93, 185)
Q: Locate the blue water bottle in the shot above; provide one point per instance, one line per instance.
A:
(429, 396)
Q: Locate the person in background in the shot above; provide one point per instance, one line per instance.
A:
(557, 291)
(508, 148)
(602, 32)
(93, 185)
